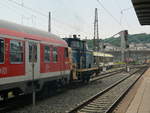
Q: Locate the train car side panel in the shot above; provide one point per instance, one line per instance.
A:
(14, 59)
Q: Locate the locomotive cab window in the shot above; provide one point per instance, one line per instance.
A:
(1, 51)
(16, 51)
(55, 55)
(47, 54)
(75, 44)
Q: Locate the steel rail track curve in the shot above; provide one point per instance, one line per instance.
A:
(84, 104)
(13, 102)
(111, 108)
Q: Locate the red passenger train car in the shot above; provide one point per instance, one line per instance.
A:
(28, 54)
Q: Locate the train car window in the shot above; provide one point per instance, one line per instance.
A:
(16, 51)
(1, 51)
(47, 54)
(55, 55)
(66, 52)
(32, 52)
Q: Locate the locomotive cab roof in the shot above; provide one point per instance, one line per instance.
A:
(72, 43)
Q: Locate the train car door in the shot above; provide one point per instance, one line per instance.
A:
(33, 59)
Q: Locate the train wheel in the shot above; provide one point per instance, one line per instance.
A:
(88, 79)
(63, 82)
(17, 92)
(46, 91)
(85, 79)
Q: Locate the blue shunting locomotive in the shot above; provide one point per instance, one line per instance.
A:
(82, 59)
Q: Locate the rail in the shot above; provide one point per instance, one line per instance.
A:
(95, 97)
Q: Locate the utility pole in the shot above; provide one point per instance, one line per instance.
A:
(96, 33)
(49, 22)
(96, 45)
(124, 43)
(124, 46)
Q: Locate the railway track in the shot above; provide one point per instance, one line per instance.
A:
(21, 101)
(106, 100)
(104, 75)
(98, 77)
(113, 72)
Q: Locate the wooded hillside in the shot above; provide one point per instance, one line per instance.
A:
(136, 38)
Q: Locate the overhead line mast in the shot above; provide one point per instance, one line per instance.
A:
(49, 22)
(96, 33)
(96, 45)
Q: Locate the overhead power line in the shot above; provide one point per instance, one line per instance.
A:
(122, 13)
(40, 13)
(109, 13)
(126, 9)
(28, 8)
(18, 12)
(13, 9)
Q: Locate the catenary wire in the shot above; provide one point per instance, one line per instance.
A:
(109, 13)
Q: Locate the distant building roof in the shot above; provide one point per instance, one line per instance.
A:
(142, 8)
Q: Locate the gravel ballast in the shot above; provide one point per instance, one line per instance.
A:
(70, 98)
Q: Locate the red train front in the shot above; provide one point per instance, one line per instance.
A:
(22, 47)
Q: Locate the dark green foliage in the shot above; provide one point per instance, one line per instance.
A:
(113, 41)
(136, 38)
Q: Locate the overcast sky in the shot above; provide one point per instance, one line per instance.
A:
(74, 16)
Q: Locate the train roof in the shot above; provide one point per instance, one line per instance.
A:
(102, 54)
(13, 29)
